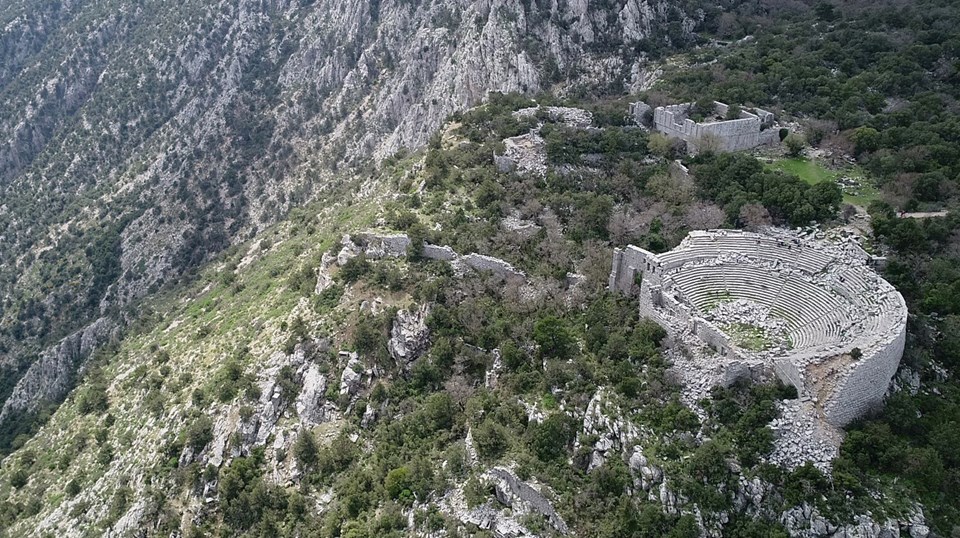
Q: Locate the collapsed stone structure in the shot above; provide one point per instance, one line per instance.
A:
(752, 127)
(814, 314)
(377, 246)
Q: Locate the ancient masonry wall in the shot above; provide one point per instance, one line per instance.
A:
(864, 388)
(630, 262)
(731, 135)
(788, 372)
(714, 338)
(377, 246)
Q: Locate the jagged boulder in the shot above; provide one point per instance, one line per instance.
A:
(312, 405)
(522, 497)
(409, 336)
(352, 377)
(650, 475)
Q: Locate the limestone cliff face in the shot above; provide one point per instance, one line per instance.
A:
(169, 130)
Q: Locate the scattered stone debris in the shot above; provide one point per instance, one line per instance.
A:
(527, 153)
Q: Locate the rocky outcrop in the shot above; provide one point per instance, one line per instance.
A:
(348, 250)
(351, 379)
(263, 424)
(409, 336)
(311, 404)
(603, 423)
(524, 498)
(52, 375)
(805, 521)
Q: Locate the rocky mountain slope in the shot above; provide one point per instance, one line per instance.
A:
(139, 139)
(430, 352)
(257, 280)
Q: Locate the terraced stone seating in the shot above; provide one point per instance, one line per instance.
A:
(822, 298)
(753, 283)
(812, 261)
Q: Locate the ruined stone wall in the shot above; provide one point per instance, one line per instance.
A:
(714, 338)
(731, 135)
(628, 263)
(864, 387)
(788, 372)
(379, 246)
(438, 252)
(496, 266)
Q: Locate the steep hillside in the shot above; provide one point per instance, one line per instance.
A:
(453, 367)
(267, 270)
(137, 140)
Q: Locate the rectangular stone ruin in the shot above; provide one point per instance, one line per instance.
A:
(753, 127)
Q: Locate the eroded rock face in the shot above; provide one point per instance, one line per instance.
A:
(312, 406)
(352, 376)
(323, 85)
(272, 415)
(51, 377)
(604, 422)
(409, 336)
(522, 497)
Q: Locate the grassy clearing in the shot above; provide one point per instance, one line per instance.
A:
(812, 172)
(748, 336)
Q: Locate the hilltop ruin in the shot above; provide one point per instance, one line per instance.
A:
(723, 129)
(815, 314)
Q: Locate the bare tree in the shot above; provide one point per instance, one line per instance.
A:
(754, 217)
(703, 216)
(595, 265)
(708, 143)
(625, 224)
(817, 130)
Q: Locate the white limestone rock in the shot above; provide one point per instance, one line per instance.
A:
(348, 250)
(351, 378)
(409, 335)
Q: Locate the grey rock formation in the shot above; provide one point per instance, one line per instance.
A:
(805, 521)
(518, 495)
(409, 336)
(348, 250)
(352, 377)
(51, 376)
(312, 406)
(603, 421)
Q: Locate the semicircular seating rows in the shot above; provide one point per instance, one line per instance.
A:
(822, 302)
